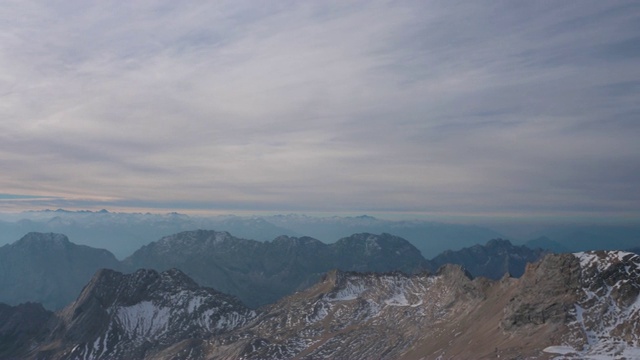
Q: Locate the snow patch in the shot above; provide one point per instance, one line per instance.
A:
(350, 292)
(560, 349)
(398, 299)
(143, 319)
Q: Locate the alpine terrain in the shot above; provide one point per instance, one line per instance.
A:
(570, 306)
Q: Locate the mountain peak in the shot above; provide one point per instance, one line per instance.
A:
(115, 311)
(43, 240)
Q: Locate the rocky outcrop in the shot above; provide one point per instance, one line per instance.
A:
(546, 293)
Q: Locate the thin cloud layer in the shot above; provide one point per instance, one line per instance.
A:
(419, 106)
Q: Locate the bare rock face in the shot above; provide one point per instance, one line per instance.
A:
(546, 293)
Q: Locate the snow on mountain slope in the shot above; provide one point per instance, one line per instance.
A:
(353, 315)
(135, 315)
(566, 306)
(607, 316)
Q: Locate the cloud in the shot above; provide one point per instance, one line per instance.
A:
(331, 106)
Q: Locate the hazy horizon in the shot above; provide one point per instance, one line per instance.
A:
(453, 111)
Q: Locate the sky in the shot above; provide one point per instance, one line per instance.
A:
(461, 108)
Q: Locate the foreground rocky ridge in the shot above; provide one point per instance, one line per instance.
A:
(578, 306)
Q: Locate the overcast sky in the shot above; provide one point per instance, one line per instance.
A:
(438, 107)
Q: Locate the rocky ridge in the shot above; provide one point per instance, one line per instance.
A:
(583, 305)
(134, 316)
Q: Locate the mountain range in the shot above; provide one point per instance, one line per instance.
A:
(48, 268)
(124, 233)
(571, 306)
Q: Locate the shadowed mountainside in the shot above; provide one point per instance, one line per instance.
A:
(262, 272)
(48, 268)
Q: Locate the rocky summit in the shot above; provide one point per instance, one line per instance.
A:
(569, 306)
(136, 316)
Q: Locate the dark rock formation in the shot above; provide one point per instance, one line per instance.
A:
(493, 260)
(22, 327)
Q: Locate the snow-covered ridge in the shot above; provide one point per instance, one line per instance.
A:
(152, 308)
(603, 260)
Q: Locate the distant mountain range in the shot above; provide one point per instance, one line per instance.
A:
(571, 306)
(48, 268)
(124, 233)
(430, 237)
(262, 272)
